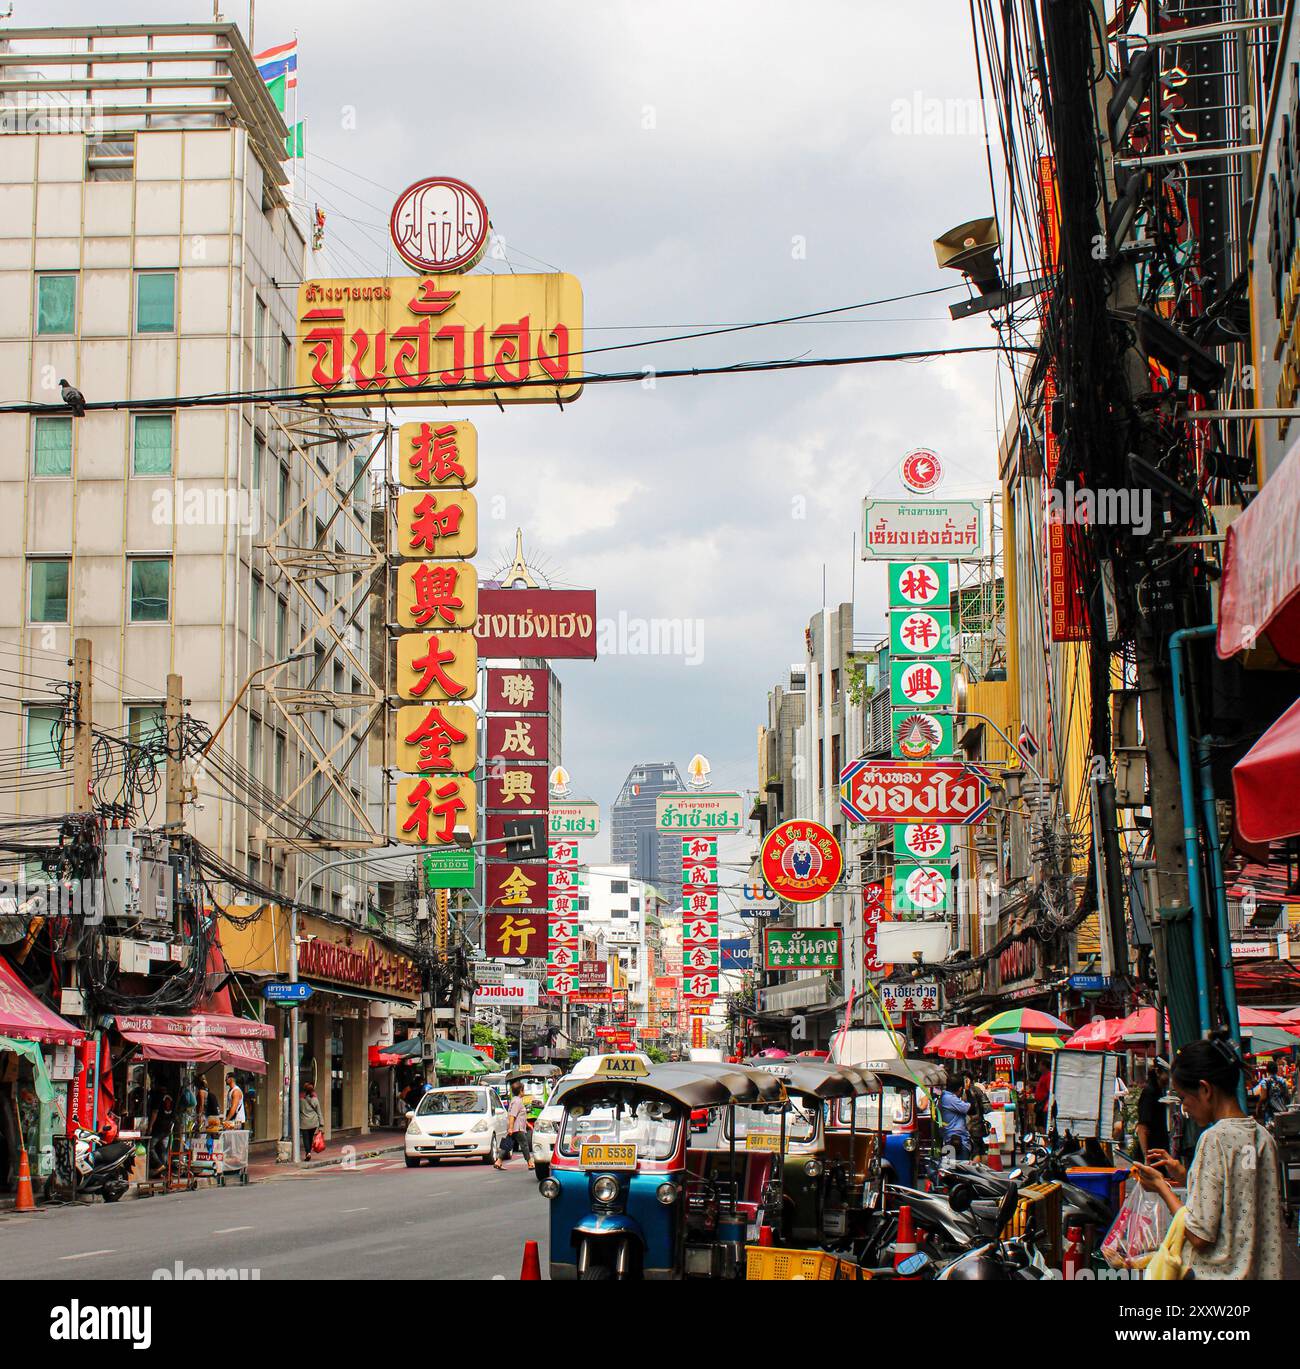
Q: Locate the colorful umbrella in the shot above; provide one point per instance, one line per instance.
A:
(1025, 1041)
(1101, 1034)
(960, 1043)
(1022, 1020)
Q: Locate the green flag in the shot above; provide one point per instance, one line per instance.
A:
(295, 145)
(278, 89)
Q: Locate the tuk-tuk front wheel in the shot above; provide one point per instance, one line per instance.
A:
(596, 1271)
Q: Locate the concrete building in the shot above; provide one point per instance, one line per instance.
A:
(653, 857)
(777, 752)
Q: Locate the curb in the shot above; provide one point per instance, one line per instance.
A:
(306, 1166)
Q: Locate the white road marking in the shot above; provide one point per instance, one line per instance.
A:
(353, 1209)
(86, 1254)
(226, 1230)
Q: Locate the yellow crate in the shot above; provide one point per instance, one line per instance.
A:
(775, 1262)
(1046, 1201)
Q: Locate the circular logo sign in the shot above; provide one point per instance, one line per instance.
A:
(922, 471)
(919, 735)
(801, 861)
(439, 224)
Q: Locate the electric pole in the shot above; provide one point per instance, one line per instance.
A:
(175, 780)
(82, 799)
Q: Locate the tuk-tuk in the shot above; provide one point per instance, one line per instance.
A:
(824, 1175)
(901, 1116)
(539, 1083)
(625, 1204)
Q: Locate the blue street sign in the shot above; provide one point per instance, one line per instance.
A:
(276, 992)
(1090, 981)
(760, 911)
(736, 954)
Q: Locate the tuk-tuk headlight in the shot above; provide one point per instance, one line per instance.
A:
(667, 1194)
(813, 1168)
(910, 1144)
(605, 1189)
(549, 1188)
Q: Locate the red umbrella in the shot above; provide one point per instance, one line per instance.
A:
(1101, 1034)
(961, 1043)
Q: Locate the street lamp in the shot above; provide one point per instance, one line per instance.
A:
(243, 689)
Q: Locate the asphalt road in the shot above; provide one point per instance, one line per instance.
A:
(376, 1221)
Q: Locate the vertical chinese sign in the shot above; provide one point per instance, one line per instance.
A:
(516, 875)
(436, 533)
(564, 880)
(920, 682)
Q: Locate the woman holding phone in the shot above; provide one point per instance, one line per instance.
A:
(1233, 1223)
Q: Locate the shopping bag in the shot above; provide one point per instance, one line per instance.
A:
(1137, 1231)
(1168, 1262)
(318, 1142)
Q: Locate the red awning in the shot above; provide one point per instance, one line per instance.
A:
(23, 1015)
(174, 1046)
(1261, 569)
(1265, 782)
(379, 1057)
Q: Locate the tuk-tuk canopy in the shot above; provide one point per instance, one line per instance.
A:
(533, 1072)
(684, 1085)
(925, 1074)
(822, 1080)
(749, 1084)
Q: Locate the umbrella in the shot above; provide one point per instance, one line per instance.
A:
(959, 1043)
(1101, 1034)
(1270, 1040)
(459, 1062)
(772, 1053)
(1022, 1020)
(1027, 1041)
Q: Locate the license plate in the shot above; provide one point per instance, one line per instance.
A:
(445, 1145)
(607, 1156)
(762, 1141)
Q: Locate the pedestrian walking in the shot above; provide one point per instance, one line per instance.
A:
(972, 1092)
(1233, 1213)
(1152, 1115)
(1270, 1095)
(953, 1111)
(516, 1138)
(310, 1119)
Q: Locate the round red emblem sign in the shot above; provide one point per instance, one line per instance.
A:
(439, 224)
(802, 861)
(921, 471)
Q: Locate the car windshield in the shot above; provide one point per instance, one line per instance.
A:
(800, 1122)
(438, 1104)
(895, 1105)
(650, 1125)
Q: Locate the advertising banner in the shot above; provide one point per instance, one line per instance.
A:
(547, 623)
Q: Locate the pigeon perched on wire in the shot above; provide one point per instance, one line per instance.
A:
(73, 398)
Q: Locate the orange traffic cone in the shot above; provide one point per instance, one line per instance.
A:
(905, 1242)
(994, 1158)
(532, 1266)
(25, 1202)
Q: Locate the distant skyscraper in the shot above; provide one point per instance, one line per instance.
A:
(634, 839)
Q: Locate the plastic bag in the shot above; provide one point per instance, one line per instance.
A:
(1137, 1231)
(318, 1142)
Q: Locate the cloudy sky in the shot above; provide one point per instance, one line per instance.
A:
(692, 165)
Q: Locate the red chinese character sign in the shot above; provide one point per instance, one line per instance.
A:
(700, 920)
(515, 886)
(432, 807)
(564, 880)
(546, 623)
(432, 454)
(439, 224)
(801, 861)
(521, 934)
(526, 690)
(513, 738)
(436, 595)
(940, 792)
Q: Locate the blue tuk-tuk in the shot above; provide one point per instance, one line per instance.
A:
(626, 1202)
(901, 1114)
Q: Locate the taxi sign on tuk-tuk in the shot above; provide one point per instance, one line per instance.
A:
(763, 1140)
(621, 1067)
(606, 1155)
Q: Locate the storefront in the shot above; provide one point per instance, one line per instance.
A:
(361, 989)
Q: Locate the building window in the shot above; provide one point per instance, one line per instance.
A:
(282, 493)
(286, 363)
(52, 446)
(146, 724)
(113, 159)
(255, 747)
(255, 609)
(583, 904)
(259, 332)
(150, 589)
(47, 592)
(618, 912)
(278, 760)
(155, 302)
(281, 627)
(618, 886)
(56, 305)
(44, 737)
(259, 461)
(151, 447)
(636, 905)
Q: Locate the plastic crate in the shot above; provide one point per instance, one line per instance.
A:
(775, 1262)
(1102, 1182)
(1045, 1199)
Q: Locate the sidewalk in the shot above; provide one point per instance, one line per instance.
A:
(338, 1151)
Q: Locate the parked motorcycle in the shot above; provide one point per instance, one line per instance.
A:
(994, 1258)
(102, 1166)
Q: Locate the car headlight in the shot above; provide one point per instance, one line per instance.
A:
(910, 1144)
(605, 1189)
(413, 1128)
(541, 1128)
(667, 1194)
(813, 1168)
(549, 1188)
(480, 1125)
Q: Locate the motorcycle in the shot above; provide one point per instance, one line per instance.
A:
(101, 1166)
(994, 1258)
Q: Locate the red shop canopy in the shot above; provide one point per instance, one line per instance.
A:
(174, 1046)
(1265, 782)
(201, 1037)
(23, 1015)
(1261, 569)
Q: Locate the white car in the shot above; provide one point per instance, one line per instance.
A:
(455, 1123)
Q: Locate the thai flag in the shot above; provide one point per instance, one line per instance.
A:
(1027, 743)
(279, 61)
